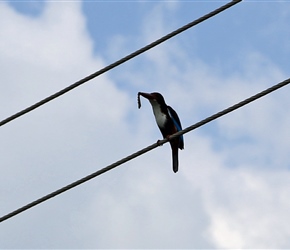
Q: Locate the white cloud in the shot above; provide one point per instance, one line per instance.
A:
(252, 210)
(62, 141)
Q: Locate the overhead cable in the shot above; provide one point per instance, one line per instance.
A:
(119, 62)
(145, 150)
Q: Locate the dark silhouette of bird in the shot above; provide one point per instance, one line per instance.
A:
(167, 121)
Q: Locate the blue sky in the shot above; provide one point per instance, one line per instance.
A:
(233, 186)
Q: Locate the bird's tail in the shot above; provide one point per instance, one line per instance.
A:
(175, 159)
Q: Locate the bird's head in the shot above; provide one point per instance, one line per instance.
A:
(154, 97)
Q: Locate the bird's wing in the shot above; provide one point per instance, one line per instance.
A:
(173, 115)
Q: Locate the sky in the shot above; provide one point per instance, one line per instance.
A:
(233, 185)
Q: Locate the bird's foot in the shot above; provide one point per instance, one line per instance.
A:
(159, 143)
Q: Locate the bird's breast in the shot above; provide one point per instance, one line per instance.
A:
(160, 117)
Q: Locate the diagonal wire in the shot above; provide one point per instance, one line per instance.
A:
(145, 150)
(119, 62)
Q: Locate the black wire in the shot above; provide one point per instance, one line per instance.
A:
(119, 62)
(144, 150)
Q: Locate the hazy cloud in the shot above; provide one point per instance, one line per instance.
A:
(232, 187)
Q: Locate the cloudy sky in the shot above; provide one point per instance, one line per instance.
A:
(233, 186)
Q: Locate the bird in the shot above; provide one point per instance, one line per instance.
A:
(167, 121)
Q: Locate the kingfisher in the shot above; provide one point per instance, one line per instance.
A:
(167, 121)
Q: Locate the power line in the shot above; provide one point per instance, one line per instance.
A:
(119, 62)
(145, 150)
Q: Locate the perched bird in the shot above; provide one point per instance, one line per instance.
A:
(167, 121)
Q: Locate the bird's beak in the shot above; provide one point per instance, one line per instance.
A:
(146, 95)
